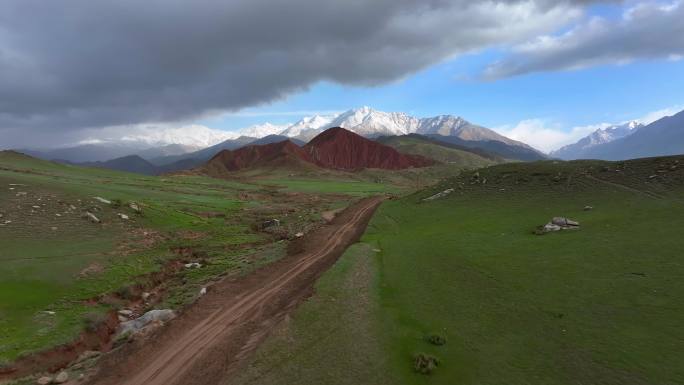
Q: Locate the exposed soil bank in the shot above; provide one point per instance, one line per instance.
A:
(210, 340)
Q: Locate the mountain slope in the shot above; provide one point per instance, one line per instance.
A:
(338, 148)
(442, 152)
(579, 149)
(280, 154)
(130, 163)
(662, 137)
(495, 147)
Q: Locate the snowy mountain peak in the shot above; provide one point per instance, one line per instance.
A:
(262, 130)
(602, 135)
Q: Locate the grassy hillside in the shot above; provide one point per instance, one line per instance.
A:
(444, 153)
(60, 271)
(596, 305)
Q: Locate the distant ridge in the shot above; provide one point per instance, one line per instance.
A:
(660, 138)
(582, 147)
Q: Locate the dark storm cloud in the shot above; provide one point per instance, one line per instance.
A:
(646, 31)
(70, 64)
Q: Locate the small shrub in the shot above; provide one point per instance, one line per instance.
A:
(425, 363)
(437, 339)
(125, 292)
(93, 321)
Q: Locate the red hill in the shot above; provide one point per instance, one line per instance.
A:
(335, 148)
(342, 149)
(280, 154)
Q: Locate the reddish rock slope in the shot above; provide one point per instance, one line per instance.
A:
(341, 149)
(335, 148)
(278, 154)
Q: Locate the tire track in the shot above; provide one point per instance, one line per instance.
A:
(223, 330)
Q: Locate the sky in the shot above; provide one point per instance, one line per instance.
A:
(541, 71)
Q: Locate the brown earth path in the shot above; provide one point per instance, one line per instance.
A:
(211, 339)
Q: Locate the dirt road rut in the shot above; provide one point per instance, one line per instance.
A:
(209, 341)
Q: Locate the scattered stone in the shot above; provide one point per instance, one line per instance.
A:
(193, 265)
(135, 207)
(122, 318)
(550, 227)
(102, 200)
(21, 193)
(53, 228)
(58, 215)
(35, 207)
(557, 224)
(123, 216)
(125, 312)
(145, 296)
(299, 235)
(203, 291)
(439, 195)
(588, 208)
(564, 222)
(72, 207)
(138, 324)
(270, 223)
(62, 377)
(2, 215)
(652, 176)
(44, 380)
(91, 217)
(376, 250)
(87, 355)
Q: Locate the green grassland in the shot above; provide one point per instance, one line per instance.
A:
(58, 269)
(597, 305)
(417, 145)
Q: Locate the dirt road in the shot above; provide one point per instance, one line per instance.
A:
(209, 341)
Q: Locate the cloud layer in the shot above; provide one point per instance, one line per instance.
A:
(74, 64)
(646, 31)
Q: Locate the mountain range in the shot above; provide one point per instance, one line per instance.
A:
(364, 121)
(582, 147)
(630, 140)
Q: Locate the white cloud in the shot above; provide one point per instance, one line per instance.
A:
(543, 134)
(655, 115)
(647, 30)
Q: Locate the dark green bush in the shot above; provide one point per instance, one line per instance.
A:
(424, 363)
(437, 339)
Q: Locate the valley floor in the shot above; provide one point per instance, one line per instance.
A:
(600, 304)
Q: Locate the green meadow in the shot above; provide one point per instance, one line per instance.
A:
(597, 305)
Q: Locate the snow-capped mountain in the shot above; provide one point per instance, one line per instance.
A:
(261, 130)
(308, 127)
(603, 135)
(368, 122)
(194, 135)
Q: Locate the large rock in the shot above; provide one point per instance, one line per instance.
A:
(564, 222)
(62, 377)
(551, 227)
(91, 217)
(138, 324)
